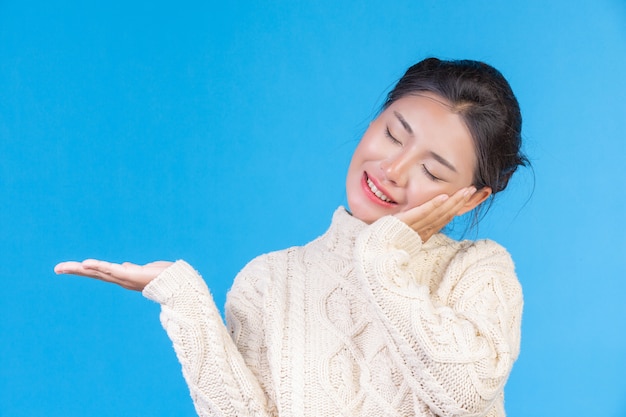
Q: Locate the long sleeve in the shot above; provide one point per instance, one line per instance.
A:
(246, 320)
(219, 381)
(456, 338)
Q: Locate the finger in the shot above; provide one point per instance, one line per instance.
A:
(439, 211)
(99, 265)
(69, 267)
(77, 268)
(457, 201)
(416, 214)
(425, 213)
(111, 267)
(448, 210)
(113, 272)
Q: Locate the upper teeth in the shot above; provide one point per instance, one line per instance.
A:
(377, 192)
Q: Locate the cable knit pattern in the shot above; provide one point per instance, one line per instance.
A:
(363, 321)
(219, 380)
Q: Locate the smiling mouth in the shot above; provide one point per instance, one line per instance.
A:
(381, 196)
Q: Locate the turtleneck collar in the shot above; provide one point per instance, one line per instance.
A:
(345, 228)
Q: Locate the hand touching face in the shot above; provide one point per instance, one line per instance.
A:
(416, 150)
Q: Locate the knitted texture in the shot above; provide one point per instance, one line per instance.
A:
(363, 321)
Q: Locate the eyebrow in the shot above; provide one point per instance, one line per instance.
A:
(405, 124)
(443, 161)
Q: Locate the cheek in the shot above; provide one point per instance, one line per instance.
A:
(358, 155)
(371, 147)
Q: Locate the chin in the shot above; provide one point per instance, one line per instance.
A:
(366, 214)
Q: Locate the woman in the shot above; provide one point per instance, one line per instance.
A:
(382, 315)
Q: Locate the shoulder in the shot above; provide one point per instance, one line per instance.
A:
(484, 266)
(483, 251)
(460, 265)
(261, 271)
(269, 261)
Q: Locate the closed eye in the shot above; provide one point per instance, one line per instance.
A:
(391, 137)
(429, 174)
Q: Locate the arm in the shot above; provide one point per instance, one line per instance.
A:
(246, 319)
(456, 340)
(219, 381)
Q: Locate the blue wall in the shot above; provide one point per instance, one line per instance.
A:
(216, 132)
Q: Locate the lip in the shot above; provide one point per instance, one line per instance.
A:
(371, 195)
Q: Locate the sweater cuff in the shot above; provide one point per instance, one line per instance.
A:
(385, 252)
(167, 283)
(397, 234)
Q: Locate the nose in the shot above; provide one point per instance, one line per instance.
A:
(396, 169)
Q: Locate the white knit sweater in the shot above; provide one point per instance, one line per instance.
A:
(363, 321)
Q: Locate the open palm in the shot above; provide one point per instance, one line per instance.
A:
(128, 275)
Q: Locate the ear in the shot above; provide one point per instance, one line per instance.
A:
(478, 197)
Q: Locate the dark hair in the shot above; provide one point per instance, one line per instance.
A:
(484, 100)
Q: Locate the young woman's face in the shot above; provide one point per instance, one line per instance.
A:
(415, 150)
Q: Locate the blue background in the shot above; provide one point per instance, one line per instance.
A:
(216, 131)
